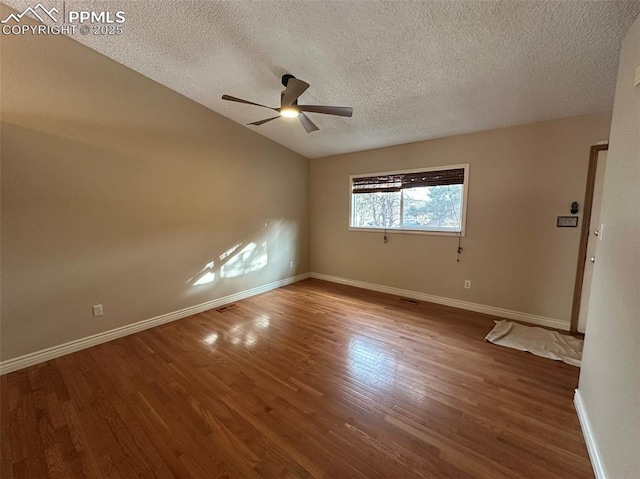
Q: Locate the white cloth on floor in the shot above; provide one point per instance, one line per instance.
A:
(539, 341)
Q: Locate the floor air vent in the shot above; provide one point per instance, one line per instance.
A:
(226, 307)
(409, 300)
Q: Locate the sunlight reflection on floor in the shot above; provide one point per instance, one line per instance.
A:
(211, 339)
(247, 333)
(372, 364)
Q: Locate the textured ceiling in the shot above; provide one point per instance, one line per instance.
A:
(411, 70)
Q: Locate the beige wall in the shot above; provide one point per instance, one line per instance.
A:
(610, 374)
(116, 190)
(521, 179)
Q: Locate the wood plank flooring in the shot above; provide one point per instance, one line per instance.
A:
(311, 380)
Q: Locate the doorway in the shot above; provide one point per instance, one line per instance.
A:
(590, 234)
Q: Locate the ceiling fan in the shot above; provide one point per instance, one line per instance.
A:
(289, 107)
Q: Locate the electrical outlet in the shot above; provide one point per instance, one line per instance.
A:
(97, 310)
(290, 264)
(467, 284)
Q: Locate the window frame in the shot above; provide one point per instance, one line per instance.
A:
(463, 213)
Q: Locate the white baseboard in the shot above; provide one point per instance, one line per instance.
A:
(27, 360)
(589, 438)
(30, 359)
(456, 303)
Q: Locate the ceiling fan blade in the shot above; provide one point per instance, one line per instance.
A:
(327, 110)
(294, 89)
(240, 100)
(263, 121)
(307, 123)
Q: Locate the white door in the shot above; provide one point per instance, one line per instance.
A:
(592, 243)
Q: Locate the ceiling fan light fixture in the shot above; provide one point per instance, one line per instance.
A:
(289, 112)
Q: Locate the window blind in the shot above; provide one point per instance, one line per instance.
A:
(399, 181)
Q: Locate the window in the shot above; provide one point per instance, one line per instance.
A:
(427, 200)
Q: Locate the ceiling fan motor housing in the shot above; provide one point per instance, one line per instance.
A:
(285, 79)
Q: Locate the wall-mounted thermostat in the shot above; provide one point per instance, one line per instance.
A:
(575, 207)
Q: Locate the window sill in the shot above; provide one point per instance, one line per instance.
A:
(409, 231)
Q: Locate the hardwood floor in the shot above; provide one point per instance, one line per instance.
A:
(311, 380)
